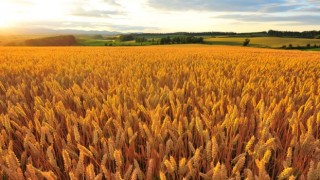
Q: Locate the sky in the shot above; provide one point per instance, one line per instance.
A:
(161, 15)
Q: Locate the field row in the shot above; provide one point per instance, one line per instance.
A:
(193, 112)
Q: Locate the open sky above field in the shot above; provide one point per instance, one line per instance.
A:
(161, 15)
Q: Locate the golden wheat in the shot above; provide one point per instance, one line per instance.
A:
(186, 112)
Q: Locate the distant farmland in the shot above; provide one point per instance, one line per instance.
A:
(272, 42)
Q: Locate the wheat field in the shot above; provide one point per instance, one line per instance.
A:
(170, 112)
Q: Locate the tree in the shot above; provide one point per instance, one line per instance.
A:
(181, 40)
(201, 40)
(140, 39)
(52, 41)
(246, 42)
(97, 36)
(126, 37)
(168, 40)
(295, 34)
(163, 40)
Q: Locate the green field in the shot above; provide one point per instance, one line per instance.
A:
(316, 49)
(271, 42)
(263, 42)
(91, 42)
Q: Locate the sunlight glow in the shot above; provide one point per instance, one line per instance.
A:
(13, 13)
(150, 16)
(7, 16)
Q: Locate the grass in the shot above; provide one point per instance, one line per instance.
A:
(317, 49)
(228, 43)
(88, 41)
(272, 42)
(262, 42)
(91, 42)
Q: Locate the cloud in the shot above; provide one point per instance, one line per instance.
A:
(315, 2)
(290, 20)
(313, 6)
(83, 25)
(112, 2)
(102, 8)
(94, 13)
(225, 5)
(133, 28)
(161, 15)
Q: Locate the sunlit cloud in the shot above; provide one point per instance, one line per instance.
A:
(161, 15)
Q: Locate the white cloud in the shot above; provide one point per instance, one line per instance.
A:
(161, 15)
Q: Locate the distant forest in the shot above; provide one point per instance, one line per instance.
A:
(53, 41)
(304, 34)
(271, 33)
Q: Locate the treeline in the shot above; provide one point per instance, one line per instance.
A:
(141, 39)
(126, 37)
(164, 40)
(187, 34)
(181, 40)
(212, 34)
(308, 46)
(53, 41)
(295, 34)
(272, 33)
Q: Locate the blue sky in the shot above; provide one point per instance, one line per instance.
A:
(162, 15)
